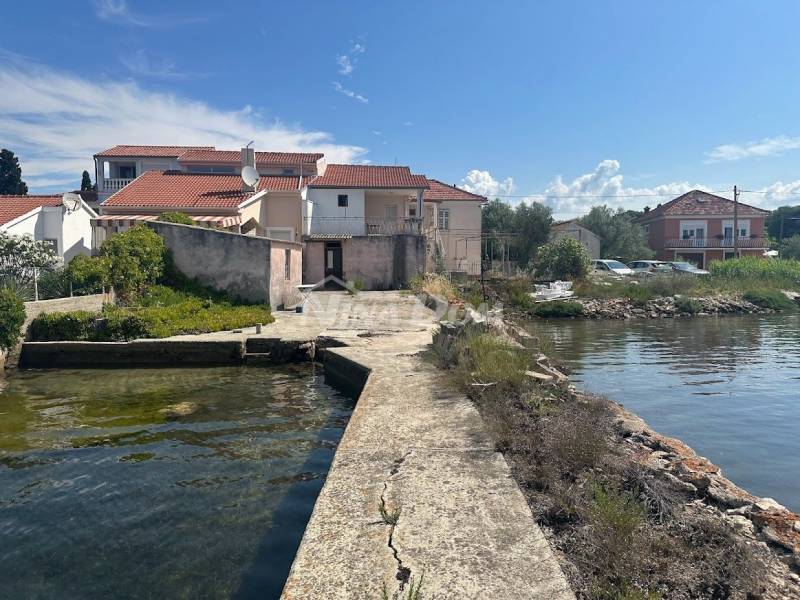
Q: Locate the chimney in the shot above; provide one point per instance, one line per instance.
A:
(248, 160)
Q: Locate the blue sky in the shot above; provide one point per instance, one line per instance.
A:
(559, 102)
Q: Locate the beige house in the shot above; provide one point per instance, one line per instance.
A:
(572, 229)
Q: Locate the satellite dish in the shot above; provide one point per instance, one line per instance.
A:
(250, 176)
(71, 201)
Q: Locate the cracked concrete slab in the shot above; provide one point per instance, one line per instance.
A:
(414, 444)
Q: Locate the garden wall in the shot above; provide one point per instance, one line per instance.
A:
(237, 264)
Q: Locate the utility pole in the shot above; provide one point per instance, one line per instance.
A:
(735, 222)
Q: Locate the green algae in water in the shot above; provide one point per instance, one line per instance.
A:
(107, 491)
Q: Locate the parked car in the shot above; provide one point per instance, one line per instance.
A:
(612, 266)
(687, 268)
(650, 267)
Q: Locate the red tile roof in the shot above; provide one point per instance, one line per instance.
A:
(12, 207)
(175, 189)
(699, 203)
(145, 151)
(438, 191)
(262, 158)
(368, 176)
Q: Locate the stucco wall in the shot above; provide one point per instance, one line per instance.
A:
(328, 217)
(586, 238)
(462, 244)
(73, 231)
(283, 285)
(236, 264)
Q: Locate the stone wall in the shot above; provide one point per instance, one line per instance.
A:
(239, 265)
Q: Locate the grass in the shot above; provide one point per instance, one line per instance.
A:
(435, 285)
(158, 312)
(772, 299)
(558, 309)
(687, 305)
(488, 360)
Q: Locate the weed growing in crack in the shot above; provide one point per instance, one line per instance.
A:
(390, 516)
(412, 592)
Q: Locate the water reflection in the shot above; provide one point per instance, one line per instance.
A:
(728, 386)
(103, 493)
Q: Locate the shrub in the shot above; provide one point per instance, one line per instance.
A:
(639, 294)
(558, 309)
(687, 305)
(176, 217)
(53, 283)
(563, 259)
(486, 358)
(74, 326)
(135, 257)
(12, 316)
(518, 291)
(88, 273)
(435, 285)
(772, 299)
(790, 247)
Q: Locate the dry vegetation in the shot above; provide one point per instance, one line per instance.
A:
(623, 531)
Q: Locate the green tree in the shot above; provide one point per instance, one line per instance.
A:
(532, 224)
(135, 258)
(787, 214)
(620, 236)
(790, 248)
(12, 316)
(496, 217)
(88, 273)
(176, 217)
(86, 182)
(21, 255)
(11, 174)
(563, 259)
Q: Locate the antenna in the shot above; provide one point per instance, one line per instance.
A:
(71, 201)
(250, 143)
(250, 176)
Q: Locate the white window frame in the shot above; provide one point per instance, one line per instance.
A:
(290, 230)
(444, 219)
(744, 226)
(691, 227)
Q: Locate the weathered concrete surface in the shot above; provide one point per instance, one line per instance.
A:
(413, 445)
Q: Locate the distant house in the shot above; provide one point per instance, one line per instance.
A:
(46, 219)
(574, 230)
(698, 227)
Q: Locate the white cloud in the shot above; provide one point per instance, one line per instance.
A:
(775, 195)
(349, 93)
(347, 62)
(757, 149)
(143, 64)
(55, 122)
(118, 11)
(481, 182)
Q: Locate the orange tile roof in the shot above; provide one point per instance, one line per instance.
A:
(368, 176)
(699, 203)
(12, 207)
(145, 151)
(176, 189)
(262, 158)
(438, 191)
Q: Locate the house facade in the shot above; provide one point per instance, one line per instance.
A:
(699, 227)
(572, 229)
(45, 218)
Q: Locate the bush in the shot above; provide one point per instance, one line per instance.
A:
(53, 283)
(779, 271)
(558, 309)
(135, 258)
(790, 247)
(687, 305)
(88, 273)
(12, 316)
(435, 285)
(485, 358)
(772, 299)
(519, 293)
(76, 326)
(640, 295)
(563, 259)
(176, 217)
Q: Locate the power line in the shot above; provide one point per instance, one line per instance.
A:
(578, 196)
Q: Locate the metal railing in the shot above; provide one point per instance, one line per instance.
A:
(714, 242)
(361, 226)
(114, 185)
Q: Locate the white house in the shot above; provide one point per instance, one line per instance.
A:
(45, 218)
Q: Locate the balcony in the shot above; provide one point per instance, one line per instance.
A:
(114, 185)
(722, 242)
(350, 226)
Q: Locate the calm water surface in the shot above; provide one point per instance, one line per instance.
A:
(728, 386)
(102, 495)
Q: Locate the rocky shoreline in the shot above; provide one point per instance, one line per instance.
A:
(666, 307)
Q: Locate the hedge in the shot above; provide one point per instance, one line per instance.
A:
(12, 316)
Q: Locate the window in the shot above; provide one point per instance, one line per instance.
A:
(647, 228)
(287, 266)
(412, 210)
(288, 171)
(444, 218)
(391, 212)
(126, 171)
(222, 169)
(343, 200)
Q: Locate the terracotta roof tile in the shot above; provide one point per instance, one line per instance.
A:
(262, 158)
(369, 176)
(175, 189)
(699, 203)
(12, 207)
(438, 191)
(144, 151)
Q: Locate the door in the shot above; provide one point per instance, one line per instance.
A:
(333, 259)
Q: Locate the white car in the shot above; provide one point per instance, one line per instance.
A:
(650, 267)
(612, 266)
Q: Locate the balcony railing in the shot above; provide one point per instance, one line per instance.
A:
(361, 226)
(713, 242)
(114, 185)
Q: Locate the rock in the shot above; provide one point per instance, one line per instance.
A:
(728, 496)
(544, 378)
(742, 524)
(767, 504)
(181, 409)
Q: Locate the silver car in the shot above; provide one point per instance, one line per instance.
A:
(650, 267)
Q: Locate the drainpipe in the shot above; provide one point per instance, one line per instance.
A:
(420, 215)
